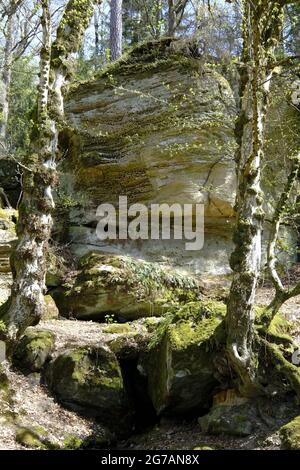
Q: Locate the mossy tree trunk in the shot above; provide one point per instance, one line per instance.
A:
(261, 29)
(26, 305)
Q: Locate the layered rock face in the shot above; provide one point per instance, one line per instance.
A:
(7, 240)
(157, 127)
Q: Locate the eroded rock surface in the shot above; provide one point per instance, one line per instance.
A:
(159, 128)
(122, 287)
(7, 241)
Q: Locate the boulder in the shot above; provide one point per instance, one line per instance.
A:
(90, 380)
(33, 350)
(240, 420)
(158, 126)
(180, 363)
(290, 434)
(123, 288)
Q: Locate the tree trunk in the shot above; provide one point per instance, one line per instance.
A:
(158, 18)
(116, 29)
(26, 305)
(282, 294)
(97, 36)
(259, 44)
(6, 77)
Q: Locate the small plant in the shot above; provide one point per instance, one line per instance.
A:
(110, 318)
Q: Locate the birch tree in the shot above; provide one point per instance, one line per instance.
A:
(116, 29)
(6, 74)
(262, 27)
(26, 304)
(176, 11)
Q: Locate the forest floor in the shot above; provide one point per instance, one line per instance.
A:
(30, 405)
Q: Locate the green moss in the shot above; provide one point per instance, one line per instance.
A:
(117, 328)
(91, 380)
(145, 58)
(3, 327)
(108, 284)
(282, 365)
(181, 353)
(89, 369)
(33, 438)
(34, 349)
(279, 326)
(278, 330)
(290, 434)
(72, 442)
(195, 322)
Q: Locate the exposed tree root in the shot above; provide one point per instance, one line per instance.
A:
(283, 366)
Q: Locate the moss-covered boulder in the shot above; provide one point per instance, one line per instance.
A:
(237, 421)
(34, 437)
(33, 350)
(90, 380)
(290, 435)
(180, 362)
(122, 286)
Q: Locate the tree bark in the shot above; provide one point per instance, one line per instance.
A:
(262, 24)
(158, 18)
(26, 305)
(97, 36)
(116, 29)
(175, 15)
(171, 18)
(282, 294)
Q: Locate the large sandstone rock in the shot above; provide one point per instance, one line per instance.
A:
(157, 127)
(90, 380)
(180, 365)
(123, 287)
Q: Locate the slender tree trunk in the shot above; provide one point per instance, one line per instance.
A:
(259, 44)
(6, 77)
(158, 18)
(282, 294)
(116, 29)
(26, 305)
(171, 18)
(97, 36)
